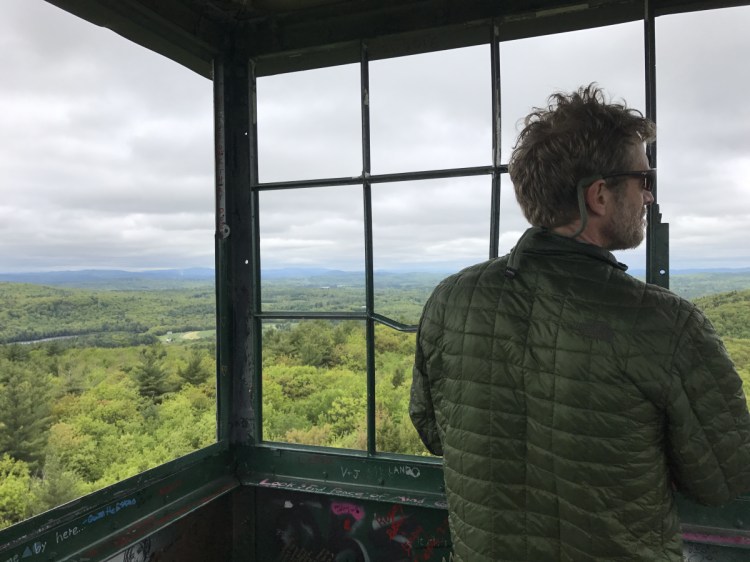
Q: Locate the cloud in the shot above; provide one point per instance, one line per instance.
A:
(423, 117)
(107, 148)
(309, 125)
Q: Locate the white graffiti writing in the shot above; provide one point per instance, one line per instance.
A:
(346, 472)
(374, 497)
(415, 501)
(292, 486)
(347, 493)
(66, 534)
(404, 470)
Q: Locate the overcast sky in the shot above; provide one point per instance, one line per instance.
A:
(106, 149)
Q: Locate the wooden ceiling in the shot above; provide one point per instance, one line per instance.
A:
(286, 35)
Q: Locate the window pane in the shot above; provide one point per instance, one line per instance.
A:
(534, 68)
(309, 124)
(106, 183)
(423, 118)
(703, 133)
(312, 249)
(422, 232)
(314, 389)
(394, 359)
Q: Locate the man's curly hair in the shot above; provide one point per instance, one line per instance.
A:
(578, 135)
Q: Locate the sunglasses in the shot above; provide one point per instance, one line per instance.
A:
(647, 177)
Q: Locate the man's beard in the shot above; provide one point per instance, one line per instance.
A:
(626, 231)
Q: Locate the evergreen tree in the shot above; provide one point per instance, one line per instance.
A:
(195, 372)
(24, 413)
(150, 373)
(73, 381)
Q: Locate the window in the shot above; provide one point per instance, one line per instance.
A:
(704, 166)
(338, 275)
(308, 124)
(423, 231)
(425, 119)
(428, 187)
(107, 322)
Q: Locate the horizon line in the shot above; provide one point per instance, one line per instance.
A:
(399, 269)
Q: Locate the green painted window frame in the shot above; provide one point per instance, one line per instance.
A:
(657, 243)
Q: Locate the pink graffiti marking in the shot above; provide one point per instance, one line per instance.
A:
(355, 511)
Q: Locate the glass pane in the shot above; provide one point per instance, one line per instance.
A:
(422, 232)
(314, 383)
(423, 118)
(534, 68)
(703, 127)
(106, 259)
(394, 359)
(309, 124)
(704, 195)
(312, 249)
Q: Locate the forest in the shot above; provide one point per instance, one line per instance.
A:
(130, 384)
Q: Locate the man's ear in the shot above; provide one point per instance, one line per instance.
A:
(597, 196)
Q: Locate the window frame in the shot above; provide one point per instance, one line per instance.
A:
(657, 242)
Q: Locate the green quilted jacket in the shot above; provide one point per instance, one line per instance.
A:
(570, 401)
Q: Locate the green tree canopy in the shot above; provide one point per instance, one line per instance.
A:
(15, 487)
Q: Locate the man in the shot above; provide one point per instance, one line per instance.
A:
(569, 400)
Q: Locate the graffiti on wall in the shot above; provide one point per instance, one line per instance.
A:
(297, 527)
(139, 552)
(201, 535)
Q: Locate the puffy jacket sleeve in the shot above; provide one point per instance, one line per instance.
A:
(708, 433)
(421, 407)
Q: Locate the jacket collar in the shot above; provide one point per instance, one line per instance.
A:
(541, 241)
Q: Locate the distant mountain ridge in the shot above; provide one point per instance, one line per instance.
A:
(285, 272)
(689, 283)
(87, 276)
